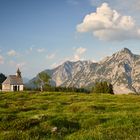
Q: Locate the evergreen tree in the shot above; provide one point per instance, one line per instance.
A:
(111, 89)
(43, 81)
(103, 87)
(2, 79)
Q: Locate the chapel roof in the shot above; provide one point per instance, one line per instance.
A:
(13, 80)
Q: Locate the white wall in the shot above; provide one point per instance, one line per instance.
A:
(6, 87)
(21, 87)
(11, 87)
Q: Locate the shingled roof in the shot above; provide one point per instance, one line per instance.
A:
(13, 80)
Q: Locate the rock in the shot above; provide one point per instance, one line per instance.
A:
(54, 129)
(122, 70)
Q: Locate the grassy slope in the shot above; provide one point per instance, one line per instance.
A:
(77, 116)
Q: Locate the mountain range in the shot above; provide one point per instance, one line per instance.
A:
(122, 70)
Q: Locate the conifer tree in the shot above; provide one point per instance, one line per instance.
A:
(2, 79)
(103, 87)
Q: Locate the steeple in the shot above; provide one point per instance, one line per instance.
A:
(18, 74)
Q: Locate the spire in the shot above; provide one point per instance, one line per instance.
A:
(18, 74)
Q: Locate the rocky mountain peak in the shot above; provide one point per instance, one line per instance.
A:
(122, 56)
(123, 52)
(122, 69)
(126, 51)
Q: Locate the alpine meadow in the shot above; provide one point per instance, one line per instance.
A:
(69, 116)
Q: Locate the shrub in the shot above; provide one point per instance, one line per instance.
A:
(103, 87)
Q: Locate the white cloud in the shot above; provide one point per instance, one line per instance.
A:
(108, 24)
(78, 53)
(12, 53)
(80, 50)
(40, 50)
(51, 56)
(1, 60)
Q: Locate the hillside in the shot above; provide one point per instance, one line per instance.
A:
(122, 70)
(70, 116)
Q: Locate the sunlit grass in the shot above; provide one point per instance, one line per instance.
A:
(70, 116)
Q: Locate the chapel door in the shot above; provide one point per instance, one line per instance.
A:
(15, 88)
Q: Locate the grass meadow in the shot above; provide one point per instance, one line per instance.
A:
(69, 116)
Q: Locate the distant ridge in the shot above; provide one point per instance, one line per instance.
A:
(122, 69)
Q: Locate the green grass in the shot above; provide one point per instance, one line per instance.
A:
(34, 115)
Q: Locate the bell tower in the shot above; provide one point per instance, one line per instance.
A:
(18, 73)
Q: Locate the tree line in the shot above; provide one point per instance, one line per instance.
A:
(42, 84)
(60, 89)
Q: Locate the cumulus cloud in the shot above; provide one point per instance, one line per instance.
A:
(1, 60)
(78, 53)
(108, 24)
(12, 53)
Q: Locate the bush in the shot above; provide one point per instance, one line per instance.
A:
(103, 87)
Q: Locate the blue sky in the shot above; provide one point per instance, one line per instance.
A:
(41, 34)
